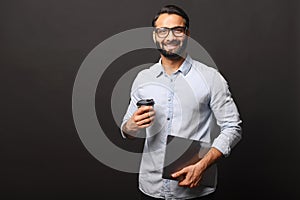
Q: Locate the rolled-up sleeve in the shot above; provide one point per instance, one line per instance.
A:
(226, 114)
(132, 105)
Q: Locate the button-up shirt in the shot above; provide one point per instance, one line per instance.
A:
(194, 102)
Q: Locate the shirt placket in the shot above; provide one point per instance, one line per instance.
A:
(171, 81)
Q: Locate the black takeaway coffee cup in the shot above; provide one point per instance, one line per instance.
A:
(145, 102)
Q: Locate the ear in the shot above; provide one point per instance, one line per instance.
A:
(188, 33)
(154, 36)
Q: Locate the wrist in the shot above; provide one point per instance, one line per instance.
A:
(210, 158)
(129, 131)
(201, 165)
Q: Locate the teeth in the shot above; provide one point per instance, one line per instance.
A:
(171, 46)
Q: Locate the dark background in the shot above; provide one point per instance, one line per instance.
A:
(255, 44)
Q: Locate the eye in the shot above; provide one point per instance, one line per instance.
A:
(161, 31)
(179, 30)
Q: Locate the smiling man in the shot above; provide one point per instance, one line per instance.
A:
(171, 46)
(191, 99)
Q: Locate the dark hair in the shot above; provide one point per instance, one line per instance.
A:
(172, 9)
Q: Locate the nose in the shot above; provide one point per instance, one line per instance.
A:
(170, 36)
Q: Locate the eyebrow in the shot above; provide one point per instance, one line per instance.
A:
(172, 27)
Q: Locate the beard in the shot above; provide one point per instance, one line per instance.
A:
(177, 54)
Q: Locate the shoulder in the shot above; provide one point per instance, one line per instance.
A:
(204, 69)
(208, 73)
(149, 72)
(211, 76)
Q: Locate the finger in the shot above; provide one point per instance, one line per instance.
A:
(179, 173)
(145, 121)
(187, 183)
(147, 124)
(193, 184)
(151, 113)
(141, 114)
(195, 181)
(184, 182)
(150, 108)
(196, 184)
(139, 117)
(144, 109)
(147, 115)
(189, 179)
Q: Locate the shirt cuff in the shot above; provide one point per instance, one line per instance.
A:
(124, 135)
(222, 144)
(121, 129)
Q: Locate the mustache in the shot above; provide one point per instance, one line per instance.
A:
(173, 42)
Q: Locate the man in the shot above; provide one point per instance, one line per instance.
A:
(189, 98)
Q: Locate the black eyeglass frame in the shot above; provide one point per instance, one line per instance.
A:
(172, 29)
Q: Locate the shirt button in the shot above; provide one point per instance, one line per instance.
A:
(169, 99)
(168, 118)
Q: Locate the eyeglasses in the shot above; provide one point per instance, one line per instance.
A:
(177, 31)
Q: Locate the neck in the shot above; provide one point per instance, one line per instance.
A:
(171, 65)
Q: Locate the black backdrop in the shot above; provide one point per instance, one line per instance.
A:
(255, 44)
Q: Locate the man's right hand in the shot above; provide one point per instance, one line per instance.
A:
(142, 118)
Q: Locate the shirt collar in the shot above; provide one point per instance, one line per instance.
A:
(184, 68)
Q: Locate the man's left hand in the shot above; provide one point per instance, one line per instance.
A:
(192, 175)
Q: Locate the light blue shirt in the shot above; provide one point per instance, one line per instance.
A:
(194, 102)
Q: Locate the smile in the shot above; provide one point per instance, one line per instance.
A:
(170, 46)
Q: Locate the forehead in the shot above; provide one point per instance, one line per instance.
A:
(169, 20)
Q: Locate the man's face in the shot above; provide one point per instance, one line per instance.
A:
(170, 43)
